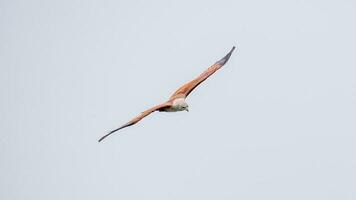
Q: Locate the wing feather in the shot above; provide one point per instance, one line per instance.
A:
(187, 88)
(138, 118)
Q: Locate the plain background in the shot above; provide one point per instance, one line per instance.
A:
(277, 122)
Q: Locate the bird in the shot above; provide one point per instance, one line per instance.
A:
(176, 101)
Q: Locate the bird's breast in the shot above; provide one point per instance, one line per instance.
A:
(171, 109)
(178, 105)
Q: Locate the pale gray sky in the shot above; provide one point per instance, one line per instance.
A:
(277, 122)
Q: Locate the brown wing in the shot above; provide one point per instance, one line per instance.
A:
(187, 88)
(138, 118)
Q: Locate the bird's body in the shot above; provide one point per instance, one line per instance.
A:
(177, 101)
(178, 104)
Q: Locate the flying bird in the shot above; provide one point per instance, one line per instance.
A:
(177, 101)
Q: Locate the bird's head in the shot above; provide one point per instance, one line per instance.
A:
(184, 106)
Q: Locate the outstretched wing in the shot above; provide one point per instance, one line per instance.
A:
(187, 88)
(138, 118)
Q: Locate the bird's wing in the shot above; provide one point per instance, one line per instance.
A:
(187, 88)
(138, 118)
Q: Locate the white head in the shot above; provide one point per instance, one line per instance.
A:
(185, 106)
(180, 105)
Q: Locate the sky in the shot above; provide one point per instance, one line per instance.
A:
(276, 122)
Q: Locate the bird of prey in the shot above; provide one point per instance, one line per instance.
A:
(177, 101)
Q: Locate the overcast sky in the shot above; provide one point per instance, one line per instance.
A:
(276, 122)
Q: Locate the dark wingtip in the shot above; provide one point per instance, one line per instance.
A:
(104, 137)
(111, 132)
(226, 58)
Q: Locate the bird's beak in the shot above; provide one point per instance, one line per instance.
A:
(187, 110)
